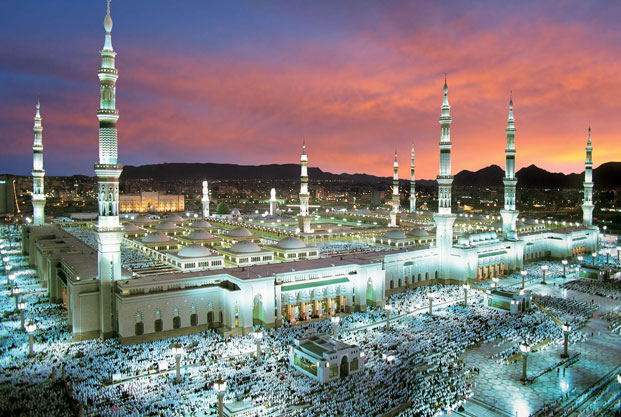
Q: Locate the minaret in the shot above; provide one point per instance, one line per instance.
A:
(38, 173)
(205, 199)
(395, 215)
(273, 202)
(304, 218)
(509, 214)
(444, 218)
(108, 170)
(412, 186)
(587, 206)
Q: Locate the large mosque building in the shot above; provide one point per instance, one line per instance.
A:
(143, 280)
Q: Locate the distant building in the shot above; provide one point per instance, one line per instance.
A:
(7, 197)
(151, 202)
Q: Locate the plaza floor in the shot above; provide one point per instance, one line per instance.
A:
(499, 391)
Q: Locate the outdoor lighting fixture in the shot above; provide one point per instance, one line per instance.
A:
(566, 329)
(178, 351)
(388, 309)
(30, 328)
(258, 338)
(220, 387)
(525, 349)
(564, 262)
(544, 268)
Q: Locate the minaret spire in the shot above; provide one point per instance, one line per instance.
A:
(394, 213)
(205, 199)
(108, 170)
(587, 206)
(304, 218)
(444, 218)
(412, 185)
(509, 214)
(38, 173)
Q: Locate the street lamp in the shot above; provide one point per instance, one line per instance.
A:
(594, 255)
(544, 268)
(10, 278)
(220, 387)
(177, 350)
(30, 328)
(495, 282)
(431, 297)
(258, 338)
(466, 288)
(21, 307)
(525, 349)
(335, 325)
(524, 273)
(388, 309)
(16, 291)
(564, 262)
(566, 329)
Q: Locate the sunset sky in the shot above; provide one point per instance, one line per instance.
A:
(245, 82)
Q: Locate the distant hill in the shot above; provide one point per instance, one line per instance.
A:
(605, 176)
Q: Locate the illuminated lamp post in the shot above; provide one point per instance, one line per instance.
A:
(258, 338)
(564, 262)
(566, 329)
(466, 288)
(495, 282)
(22, 308)
(388, 309)
(10, 278)
(544, 268)
(16, 291)
(30, 328)
(525, 349)
(335, 325)
(524, 273)
(431, 297)
(177, 350)
(594, 255)
(220, 387)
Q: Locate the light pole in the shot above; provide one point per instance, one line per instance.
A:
(335, 325)
(466, 288)
(21, 307)
(495, 282)
(388, 309)
(220, 387)
(431, 297)
(544, 268)
(258, 338)
(594, 255)
(177, 350)
(525, 349)
(10, 278)
(566, 329)
(524, 273)
(30, 328)
(16, 292)
(564, 262)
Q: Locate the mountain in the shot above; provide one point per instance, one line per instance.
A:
(606, 176)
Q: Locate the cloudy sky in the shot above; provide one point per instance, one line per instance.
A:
(245, 82)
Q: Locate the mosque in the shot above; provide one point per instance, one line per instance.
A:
(188, 275)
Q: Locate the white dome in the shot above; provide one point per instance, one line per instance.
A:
(291, 243)
(531, 221)
(497, 224)
(235, 212)
(463, 240)
(245, 246)
(519, 223)
(239, 232)
(174, 218)
(201, 224)
(156, 238)
(142, 219)
(166, 226)
(493, 235)
(200, 235)
(419, 233)
(193, 251)
(131, 228)
(395, 234)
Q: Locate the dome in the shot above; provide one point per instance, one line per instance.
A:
(156, 238)
(487, 236)
(478, 217)
(497, 224)
(475, 238)
(395, 234)
(493, 235)
(239, 232)
(222, 208)
(235, 212)
(166, 226)
(463, 240)
(142, 220)
(419, 233)
(194, 251)
(129, 227)
(290, 243)
(200, 235)
(245, 246)
(519, 223)
(201, 224)
(531, 222)
(174, 218)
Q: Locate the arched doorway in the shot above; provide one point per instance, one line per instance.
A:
(344, 369)
(210, 319)
(258, 315)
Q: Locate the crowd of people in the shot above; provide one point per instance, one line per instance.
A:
(609, 289)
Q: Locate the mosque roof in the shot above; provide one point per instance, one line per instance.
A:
(175, 218)
(291, 243)
(166, 226)
(129, 227)
(201, 224)
(395, 234)
(156, 237)
(239, 232)
(418, 232)
(194, 251)
(245, 246)
(142, 219)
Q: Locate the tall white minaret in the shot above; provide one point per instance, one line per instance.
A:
(38, 173)
(273, 202)
(205, 199)
(394, 213)
(587, 206)
(108, 170)
(509, 214)
(444, 218)
(304, 219)
(412, 186)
